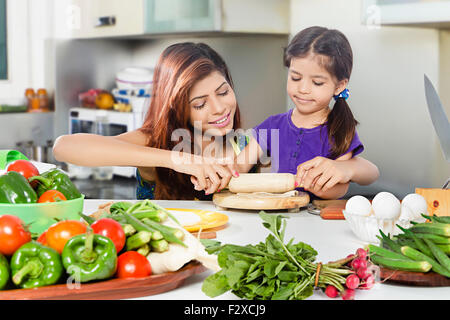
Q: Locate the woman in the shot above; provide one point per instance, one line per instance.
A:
(193, 108)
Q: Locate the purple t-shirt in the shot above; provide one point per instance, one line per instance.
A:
(287, 146)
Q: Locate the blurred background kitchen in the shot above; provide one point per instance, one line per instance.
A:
(70, 66)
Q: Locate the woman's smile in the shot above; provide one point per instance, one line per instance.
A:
(223, 121)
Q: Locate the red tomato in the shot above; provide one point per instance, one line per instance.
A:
(51, 196)
(43, 239)
(111, 229)
(13, 234)
(132, 264)
(59, 233)
(24, 167)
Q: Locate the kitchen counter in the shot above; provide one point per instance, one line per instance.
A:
(332, 239)
(115, 189)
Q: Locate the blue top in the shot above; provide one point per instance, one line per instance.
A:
(146, 189)
(288, 146)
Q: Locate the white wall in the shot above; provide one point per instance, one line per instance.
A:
(387, 93)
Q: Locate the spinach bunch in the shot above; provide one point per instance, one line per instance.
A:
(270, 269)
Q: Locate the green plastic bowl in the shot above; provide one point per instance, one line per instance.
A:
(40, 216)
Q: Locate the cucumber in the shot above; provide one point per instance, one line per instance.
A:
(419, 256)
(440, 256)
(386, 253)
(401, 264)
(437, 228)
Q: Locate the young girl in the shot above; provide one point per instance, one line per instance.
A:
(316, 143)
(192, 93)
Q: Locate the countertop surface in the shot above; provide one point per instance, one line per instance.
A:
(332, 239)
(117, 188)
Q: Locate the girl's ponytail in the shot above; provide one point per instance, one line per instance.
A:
(341, 127)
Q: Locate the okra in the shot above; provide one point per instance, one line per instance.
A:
(406, 242)
(420, 244)
(159, 245)
(386, 253)
(138, 240)
(433, 237)
(445, 248)
(156, 235)
(419, 256)
(144, 250)
(390, 243)
(401, 264)
(155, 215)
(128, 229)
(437, 228)
(169, 233)
(444, 219)
(440, 256)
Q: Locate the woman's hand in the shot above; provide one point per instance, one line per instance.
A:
(208, 174)
(320, 174)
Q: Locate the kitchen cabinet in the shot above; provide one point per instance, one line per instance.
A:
(106, 18)
(414, 13)
(116, 18)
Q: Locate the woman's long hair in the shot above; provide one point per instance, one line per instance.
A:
(334, 45)
(179, 67)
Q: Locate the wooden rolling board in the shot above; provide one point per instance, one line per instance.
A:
(226, 199)
(417, 279)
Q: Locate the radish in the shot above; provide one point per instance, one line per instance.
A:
(348, 294)
(363, 273)
(361, 253)
(359, 263)
(368, 283)
(331, 291)
(352, 281)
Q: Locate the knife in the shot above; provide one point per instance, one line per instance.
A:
(438, 117)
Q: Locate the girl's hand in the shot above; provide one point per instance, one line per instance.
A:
(321, 174)
(208, 174)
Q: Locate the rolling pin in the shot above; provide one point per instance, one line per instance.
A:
(262, 182)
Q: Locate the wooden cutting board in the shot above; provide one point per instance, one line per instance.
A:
(418, 279)
(248, 201)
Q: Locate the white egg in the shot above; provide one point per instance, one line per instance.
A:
(406, 213)
(358, 205)
(386, 206)
(416, 203)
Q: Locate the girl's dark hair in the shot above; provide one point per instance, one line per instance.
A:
(179, 67)
(333, 45)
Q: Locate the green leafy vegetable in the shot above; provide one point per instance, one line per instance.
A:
(271, 269)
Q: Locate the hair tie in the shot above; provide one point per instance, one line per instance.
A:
(344, 94)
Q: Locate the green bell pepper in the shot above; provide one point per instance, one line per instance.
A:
(34, 265)
(14, 188)
(4, 271)
(55, 179)
(89, 256)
